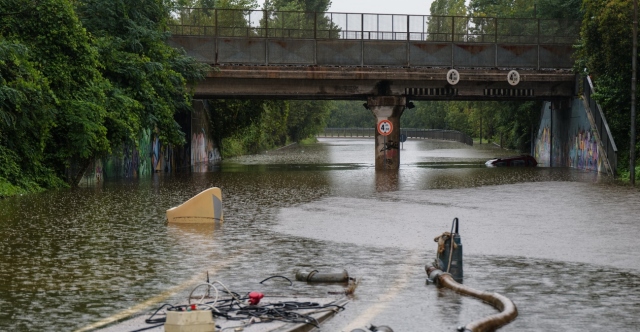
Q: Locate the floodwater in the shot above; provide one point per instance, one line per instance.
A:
(562, 244)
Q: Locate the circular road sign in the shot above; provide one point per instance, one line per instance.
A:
(385, 127)
(453, 77)
(403, 138)
(513, 77)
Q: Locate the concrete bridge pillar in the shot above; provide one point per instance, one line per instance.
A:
(387, 110)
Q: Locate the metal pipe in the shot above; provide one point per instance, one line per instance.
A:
(315, 276)
(508, 310)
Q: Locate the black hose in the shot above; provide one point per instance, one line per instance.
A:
(150, 320)
(290, 282)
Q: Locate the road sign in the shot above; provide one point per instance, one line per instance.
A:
(513, 77)
(453, 77)
(385, 127)
(403, 138)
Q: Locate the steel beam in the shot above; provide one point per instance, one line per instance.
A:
(329, 82)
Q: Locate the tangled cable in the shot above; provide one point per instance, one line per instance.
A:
(235, 308)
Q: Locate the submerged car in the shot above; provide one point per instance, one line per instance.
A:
(522, 160)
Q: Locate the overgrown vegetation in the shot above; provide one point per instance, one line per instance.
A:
(605, 51)
(80, 78)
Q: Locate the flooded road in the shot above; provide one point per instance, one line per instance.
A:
(562, 244)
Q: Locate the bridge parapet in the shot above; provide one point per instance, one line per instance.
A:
(358, 26)
(259, 37)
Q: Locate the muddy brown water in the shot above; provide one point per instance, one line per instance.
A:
(561, 243)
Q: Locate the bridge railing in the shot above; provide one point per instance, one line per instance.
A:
(258, 37)
(414, 133)
(329, 25)
(601, 124)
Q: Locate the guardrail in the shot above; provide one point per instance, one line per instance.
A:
(413, 133)
(601, 124)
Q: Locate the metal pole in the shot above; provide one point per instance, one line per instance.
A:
(481, 112)
(385, 152)
(551, 135)
(634, 60)
(453, 30)
(538, 46)
(362, 39)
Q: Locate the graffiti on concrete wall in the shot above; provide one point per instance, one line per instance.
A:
(203, 150)
(93, 175)
(542, 148)
(572, 143)
(161, 156)
(149, 155)
(582, 146)
(134, 160)
(144, 165)
(125, 164)
(584, 151)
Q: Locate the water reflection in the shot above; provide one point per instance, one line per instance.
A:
(387, 180)
(193, 232)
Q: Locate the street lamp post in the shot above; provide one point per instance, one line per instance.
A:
(634, 60)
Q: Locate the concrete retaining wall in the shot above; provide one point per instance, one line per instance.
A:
(566, 138)
(152, 156)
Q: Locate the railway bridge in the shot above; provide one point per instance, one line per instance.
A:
(387, 60)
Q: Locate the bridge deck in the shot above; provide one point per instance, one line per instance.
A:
(324, 82)
(301, 55)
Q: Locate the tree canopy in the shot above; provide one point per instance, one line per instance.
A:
(79, 78)
(605, 52)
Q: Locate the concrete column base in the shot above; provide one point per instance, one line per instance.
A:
(387, 110)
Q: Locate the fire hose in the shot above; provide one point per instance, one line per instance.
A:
(508, 310)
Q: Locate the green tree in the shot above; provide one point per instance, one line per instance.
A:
(227, 18)
(148, 77)
(61, 50)
(349, 114)
(306, 118)
(426, 114)
(74, 89)
(604, 52)
(440, 24)
(299, 18)
(302, 5)
(26, 118)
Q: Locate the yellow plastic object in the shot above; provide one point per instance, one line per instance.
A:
(189, 321)
(205, 207)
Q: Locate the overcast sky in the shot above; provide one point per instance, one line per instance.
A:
(415, 7)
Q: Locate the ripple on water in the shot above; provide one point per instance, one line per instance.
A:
(559, 243)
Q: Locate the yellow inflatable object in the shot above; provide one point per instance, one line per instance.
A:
(205, 207)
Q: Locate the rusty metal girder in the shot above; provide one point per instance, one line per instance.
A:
(328, 82)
